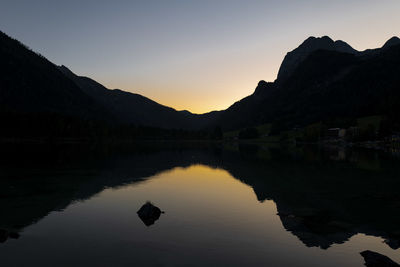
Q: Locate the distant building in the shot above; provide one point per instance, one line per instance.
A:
(395, 138)
(342, 133)
(336, 133)
(353, 131)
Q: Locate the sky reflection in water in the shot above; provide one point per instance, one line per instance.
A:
(211, 218)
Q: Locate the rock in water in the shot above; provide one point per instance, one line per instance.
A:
(149, 213)
(373, 259)
(3, 236)
(13, 235)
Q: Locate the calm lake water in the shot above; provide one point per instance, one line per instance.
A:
(225, 205)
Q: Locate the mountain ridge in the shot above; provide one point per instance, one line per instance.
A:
(26, 73)
(318, 79)
(391, 42)
(311, 44)
(136, 109)
(311, 76)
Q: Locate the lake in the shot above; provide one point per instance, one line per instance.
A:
(223, 205)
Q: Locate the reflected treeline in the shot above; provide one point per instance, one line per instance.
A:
(36, 180)
(324, 201)
(323, 196)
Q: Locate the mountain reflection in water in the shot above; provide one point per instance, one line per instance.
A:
(226, 205)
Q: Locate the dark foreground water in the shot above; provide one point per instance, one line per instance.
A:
(223, 206)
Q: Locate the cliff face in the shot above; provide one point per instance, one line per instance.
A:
(295, 57)
(323, 80)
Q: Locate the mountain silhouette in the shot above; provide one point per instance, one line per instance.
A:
(324, 84)
(31, 83)
(40, 99)
(295, 57)
(136, 109)
(320, 80)
(392, 42)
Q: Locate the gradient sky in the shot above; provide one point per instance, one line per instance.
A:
(195, 55)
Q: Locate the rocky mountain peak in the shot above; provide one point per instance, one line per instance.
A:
(311, 44)
(392, 41)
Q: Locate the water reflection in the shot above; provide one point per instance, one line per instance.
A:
(236, 205)
(5, 235)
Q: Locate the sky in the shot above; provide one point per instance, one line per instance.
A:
(196, 55)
